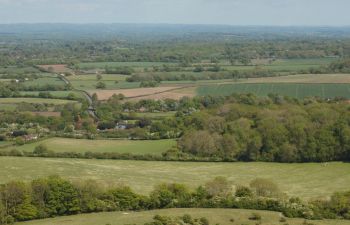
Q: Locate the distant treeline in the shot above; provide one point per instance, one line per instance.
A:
(182, 47)
(54, 196)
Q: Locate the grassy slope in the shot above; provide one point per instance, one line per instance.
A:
(304, 180)
(121, 146)
(215, 216)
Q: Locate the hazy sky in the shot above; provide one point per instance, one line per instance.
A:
(233, 12)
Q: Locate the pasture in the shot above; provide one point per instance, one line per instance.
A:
(45, 81)
(215, 216)
(83, 145)
(35, 100)
(102, 65)
(57, 94)
(308, 180)
(285, 89)
(302, 78)
(110, 84)
(93, 77)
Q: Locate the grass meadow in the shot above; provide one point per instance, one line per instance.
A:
(309, 180)
(215, 216)
(121, 146)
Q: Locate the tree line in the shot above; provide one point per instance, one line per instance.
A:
(54, 196)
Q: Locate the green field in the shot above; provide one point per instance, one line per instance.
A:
(291, 90)
(102, 65)
(84, 145)
(88, 82)
(110, 85)
(215, 216)
(35, 100)
(44, 81)
(58, 94)
(304, 180)
(14, 69)
(301, 79)
(92, 77)
(7, 107)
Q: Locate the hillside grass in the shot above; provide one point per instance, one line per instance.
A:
(156, 147)
(215, 216)
(307, 180)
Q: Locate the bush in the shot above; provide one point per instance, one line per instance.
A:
(40, 149)
(2, 138)
(255, 216)
(242, 191)
(100, 85)
(265, 188)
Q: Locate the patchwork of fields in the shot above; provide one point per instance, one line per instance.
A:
(307, 180)
(215, 216)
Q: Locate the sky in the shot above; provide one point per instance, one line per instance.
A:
(230, 12)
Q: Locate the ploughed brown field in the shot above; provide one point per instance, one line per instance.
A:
(57, 68)
(145, 93)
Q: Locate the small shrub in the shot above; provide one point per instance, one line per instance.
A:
(243, 192)
(204, 221)
(255, 216)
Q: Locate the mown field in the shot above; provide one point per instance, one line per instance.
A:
(215, 216)
(307, 180)
(83, 145)
(291, 90)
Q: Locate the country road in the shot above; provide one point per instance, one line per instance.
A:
(91, 110)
